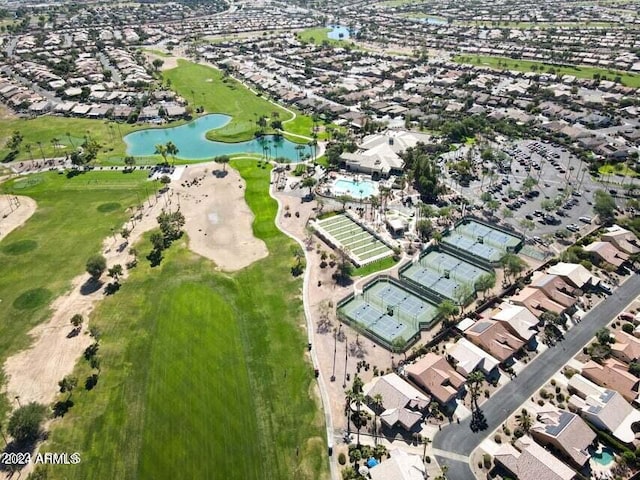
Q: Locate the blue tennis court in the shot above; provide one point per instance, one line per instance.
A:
(482, 240)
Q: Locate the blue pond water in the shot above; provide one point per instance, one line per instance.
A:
(193, 145)
(435, 21)
(336, 30)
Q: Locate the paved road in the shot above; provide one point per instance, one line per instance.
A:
(460, 440)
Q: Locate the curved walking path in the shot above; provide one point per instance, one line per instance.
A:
(456, 442)
(324, 395)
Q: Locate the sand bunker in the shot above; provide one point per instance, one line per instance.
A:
(14, 211)
(218, 219)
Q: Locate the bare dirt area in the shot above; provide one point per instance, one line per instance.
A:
(218, 223)
(217, 217)
(14, 211)
(169, 62)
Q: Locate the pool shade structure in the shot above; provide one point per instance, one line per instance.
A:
(361, 244)
(192, 142)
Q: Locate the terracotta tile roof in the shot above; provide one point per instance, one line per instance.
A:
(626, 348)
(532, 462)
(607, 252)
(614, 375)
(493, 337)
(433, 373)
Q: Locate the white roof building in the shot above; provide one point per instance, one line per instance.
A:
(399, 466)
(518, 319)
(574, 273)
(469, 357)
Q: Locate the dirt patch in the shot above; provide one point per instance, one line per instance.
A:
(218, 222)
(169, 62)
(14, 211)
(218, 219)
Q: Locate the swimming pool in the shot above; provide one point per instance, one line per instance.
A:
(192, 143)
(604, 456)
(338, 32)
(359, 189)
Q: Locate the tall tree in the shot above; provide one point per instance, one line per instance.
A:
(475, 380)
(161, 149)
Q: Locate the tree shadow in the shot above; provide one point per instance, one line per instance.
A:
(61, 408)
(74, 333)
(90, 286)
(21, 449)
(91, 381)
(155, 257)
(220, 173)
(478, 421)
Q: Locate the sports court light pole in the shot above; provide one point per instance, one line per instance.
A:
(335, 350)
(346, 351)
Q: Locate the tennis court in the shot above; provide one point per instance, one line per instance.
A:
(482, 240)
(390, 312)
(361, 245)
(445, 275)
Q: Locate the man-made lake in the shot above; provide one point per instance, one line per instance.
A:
(336, 30)
(435, 20)
(192, 143)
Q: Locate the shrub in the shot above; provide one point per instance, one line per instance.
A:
(553, 382)
(541, 402)
(497, 439)
(628, 328)
(427, 459)
(544, 393)
(558, 389)
(24, 425)
(518, 432)
(486, 460)
(342, 458)
(507, 431)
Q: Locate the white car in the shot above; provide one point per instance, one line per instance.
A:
(605, 287)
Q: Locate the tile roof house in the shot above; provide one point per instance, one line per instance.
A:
(614, 375)
(536, 301)
(517, 319)
(494, 337)
(468, 357)
(435, 375)
(529, 461)
(622, 239)
(607, 252)
(402, 403)
(574, 274)
(399, 466)
(604, 408)
(566, 431)
(626, 347)
(555, 288)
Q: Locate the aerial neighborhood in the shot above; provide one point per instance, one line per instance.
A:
(251, 239)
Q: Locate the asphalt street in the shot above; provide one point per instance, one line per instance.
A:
(461, 440)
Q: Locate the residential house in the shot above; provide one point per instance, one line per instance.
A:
(574, 274)
(517, 319)
(555, 288)
(529, 461)
(403, 404)
(623, 239)
(435, 375)
(494, 338)
(467, 357)
(626, 348)
(606, 409)
(399, 466)
(566, 432)
(607, 252)
(613, 374)
(536, 301)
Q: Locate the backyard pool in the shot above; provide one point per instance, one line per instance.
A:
(359, 189)
(192, 143)
(604, 456)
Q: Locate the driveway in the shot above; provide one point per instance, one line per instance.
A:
(458, 439)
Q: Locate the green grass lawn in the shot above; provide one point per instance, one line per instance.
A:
(203, 374)
(39, 260)
(374, 267)
(619, 169)
(207, 86)
(579, 71)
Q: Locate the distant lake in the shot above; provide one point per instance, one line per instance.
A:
(336, 30)
(435, 20)
(192, 143)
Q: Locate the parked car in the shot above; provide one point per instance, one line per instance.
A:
(585, 219)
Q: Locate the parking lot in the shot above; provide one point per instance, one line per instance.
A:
(562, 197)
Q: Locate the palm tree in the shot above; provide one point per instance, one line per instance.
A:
(309, 182)
(223, 159)
(41, 151)
(358, 398)
(475, 381)
(524, 420)
(70, 141)
(67, 384)
(172, 150)
(28, 147)
(377, 404)
(162, 150)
